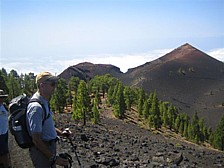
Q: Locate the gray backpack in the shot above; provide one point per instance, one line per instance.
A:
(17, 120)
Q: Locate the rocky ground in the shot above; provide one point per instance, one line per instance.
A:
(123, 144)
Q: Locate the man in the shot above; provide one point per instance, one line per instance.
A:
(4, 150)
(44, 134)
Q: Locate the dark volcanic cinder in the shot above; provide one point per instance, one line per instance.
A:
(120, 143)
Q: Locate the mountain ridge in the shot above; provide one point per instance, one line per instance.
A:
(189, 78)
(86, 71)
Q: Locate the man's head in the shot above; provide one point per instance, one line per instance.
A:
(46, 77)
(46, 83)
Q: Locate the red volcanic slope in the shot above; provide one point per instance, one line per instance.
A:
(187, 77)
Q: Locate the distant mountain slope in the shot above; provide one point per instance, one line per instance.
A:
(187, 77)
(87, 71)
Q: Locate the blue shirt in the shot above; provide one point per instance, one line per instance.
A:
(3, 120)
(35, 115)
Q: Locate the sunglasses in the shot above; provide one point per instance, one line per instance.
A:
(52, 84)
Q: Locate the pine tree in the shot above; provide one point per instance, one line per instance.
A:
(115, 89)
(186, 122)
(182, 123)
(106, 81)
(154, 110)
(13, 85)
(177, 124)
(72, 88)
(58, 100)
(129, 97)
(190, 131)
(203, 130)
(101, 84)
(141, 97)
(218, 136)
(96, 115)
(27, 84)
(110, 95)
(185, 133)
(82, 102)
(195, 128)
(146, 108)
(3, 80)
(181, 127)
(164, 109)
(97, 100)
(151, 121)
(94, 84)
(76, 111)
(119, 106)
(171, 116)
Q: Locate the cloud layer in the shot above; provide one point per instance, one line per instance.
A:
(123, 61)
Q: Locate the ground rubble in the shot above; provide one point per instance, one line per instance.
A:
(115, 143)
(120, 144)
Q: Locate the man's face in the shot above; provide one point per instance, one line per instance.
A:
(49, 87)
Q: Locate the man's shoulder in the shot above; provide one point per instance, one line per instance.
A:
(38, 98)
(34, 107)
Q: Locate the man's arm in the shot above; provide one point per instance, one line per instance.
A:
(44, 149)
(41, 145)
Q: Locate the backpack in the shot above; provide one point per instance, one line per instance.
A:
(17, 120)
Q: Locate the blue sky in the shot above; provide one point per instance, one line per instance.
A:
(51, 35)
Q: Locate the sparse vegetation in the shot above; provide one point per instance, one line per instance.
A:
(191, 69)
(181, 71)
(217, 137)
(156, 113)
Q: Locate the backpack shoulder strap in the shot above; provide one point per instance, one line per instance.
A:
(42, 105)
(5, 106)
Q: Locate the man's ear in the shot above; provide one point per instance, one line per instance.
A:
(41, 85)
